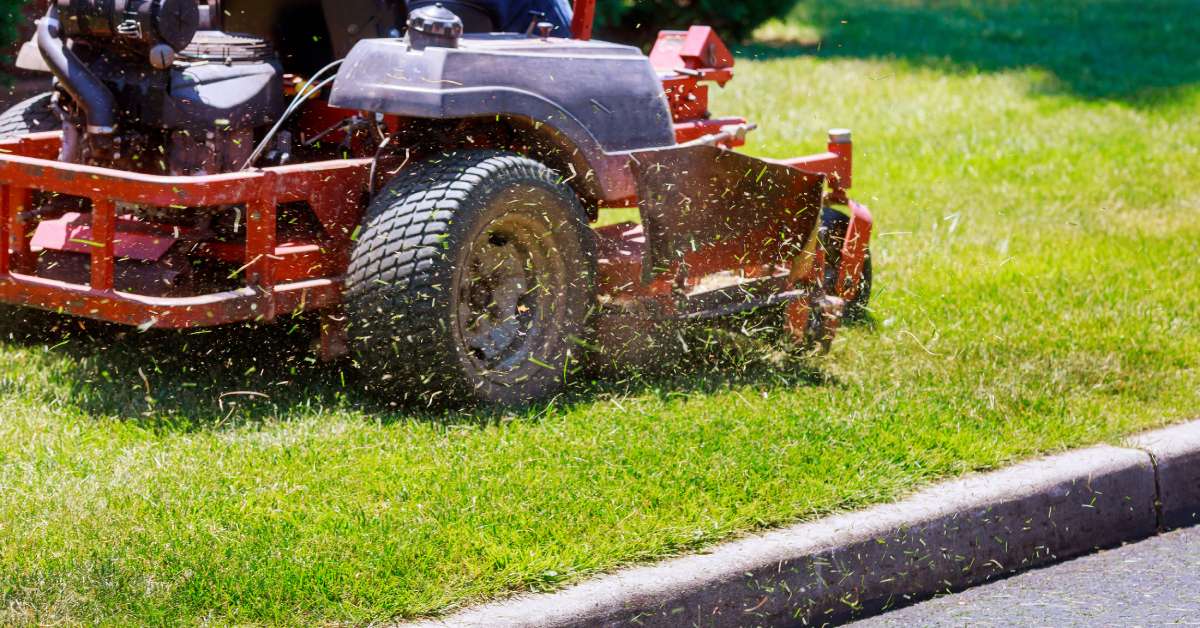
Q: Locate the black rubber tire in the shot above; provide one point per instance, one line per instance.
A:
(832, 235)
(408, 280)
(32, 115)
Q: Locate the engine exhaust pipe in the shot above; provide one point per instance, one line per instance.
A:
(93, 97)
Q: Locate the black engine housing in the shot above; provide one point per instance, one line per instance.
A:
(220, 80)
(138, 23)
(199, 116)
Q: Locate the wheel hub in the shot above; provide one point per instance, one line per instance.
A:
(497, 307)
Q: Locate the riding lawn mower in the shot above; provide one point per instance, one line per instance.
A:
(430, 193)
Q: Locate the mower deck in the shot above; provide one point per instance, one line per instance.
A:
(292, 276)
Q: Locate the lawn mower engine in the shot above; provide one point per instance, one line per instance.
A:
(142, 88)
(146, 86)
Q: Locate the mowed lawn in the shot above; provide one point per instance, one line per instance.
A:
(1033, 167)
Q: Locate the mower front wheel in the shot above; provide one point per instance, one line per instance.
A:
(472, 278)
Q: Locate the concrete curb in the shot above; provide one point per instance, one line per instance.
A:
(1175, 452)
(947, 537)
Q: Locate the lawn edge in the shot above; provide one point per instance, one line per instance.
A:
(947, 537)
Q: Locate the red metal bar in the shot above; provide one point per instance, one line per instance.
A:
(104, 229)
(334, 190)
(6, 203)
(695, 129)
(93, 182)
(22, 259)
(293, 261)
(40, 145)
(200, 311)
(622, 249)
(584, 19)
(837, 162)
(840, 145)
(260, 235)
(820, 163)
(854, 251)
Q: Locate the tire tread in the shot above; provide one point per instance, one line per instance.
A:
(400, 271)
(32, 115)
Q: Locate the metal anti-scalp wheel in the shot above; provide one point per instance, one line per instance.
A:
(472, 277)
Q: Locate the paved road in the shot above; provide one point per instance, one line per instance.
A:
(1152, 583)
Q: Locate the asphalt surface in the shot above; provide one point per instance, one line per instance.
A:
(1155, 582)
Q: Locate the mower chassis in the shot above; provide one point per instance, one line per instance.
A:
(306, 275)
(278, 277)
(286, 277)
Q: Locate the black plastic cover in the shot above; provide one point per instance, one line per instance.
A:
(240, 95)
(605, 98)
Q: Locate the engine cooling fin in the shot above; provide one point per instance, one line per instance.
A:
(222, 47)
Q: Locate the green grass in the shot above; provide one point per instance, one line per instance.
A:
(1031, 166)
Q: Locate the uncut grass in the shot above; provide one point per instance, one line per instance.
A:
(1035, 291)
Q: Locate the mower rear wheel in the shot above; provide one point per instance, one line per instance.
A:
(32, 115)
(472, 278)
(832, 236)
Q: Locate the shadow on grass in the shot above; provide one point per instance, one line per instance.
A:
(1139, 52)
(239, 375)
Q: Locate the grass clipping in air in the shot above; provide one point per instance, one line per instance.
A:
(1031, 168)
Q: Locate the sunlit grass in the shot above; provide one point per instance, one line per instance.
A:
(1036, 290)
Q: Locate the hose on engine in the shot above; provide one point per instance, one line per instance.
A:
(94, 98)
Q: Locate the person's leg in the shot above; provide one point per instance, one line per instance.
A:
(559, 13)
(517, 15)
(511, 16)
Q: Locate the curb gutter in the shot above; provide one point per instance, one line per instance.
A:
(951, 536)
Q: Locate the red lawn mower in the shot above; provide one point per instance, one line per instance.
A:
(429, 192)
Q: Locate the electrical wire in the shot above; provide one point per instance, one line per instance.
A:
(306, 91)
(302, 96)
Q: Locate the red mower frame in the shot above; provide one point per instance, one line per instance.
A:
(285, 276)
